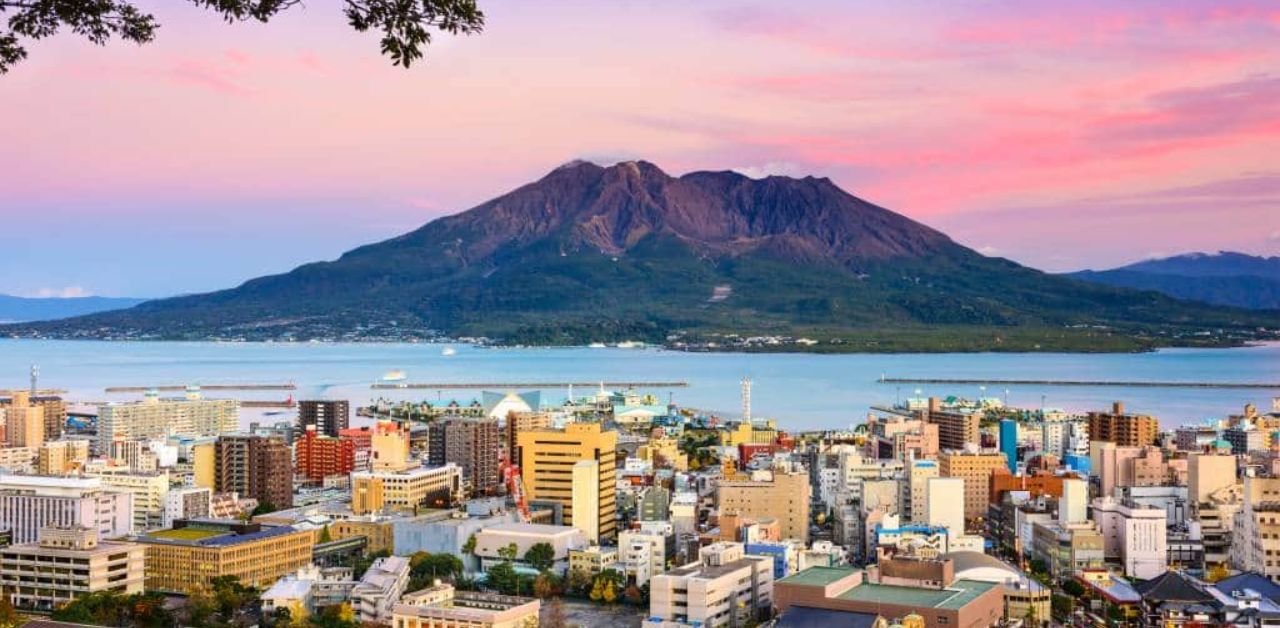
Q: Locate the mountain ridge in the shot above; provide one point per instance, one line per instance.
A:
(1224, 278)
(15, 309)
(589, 252)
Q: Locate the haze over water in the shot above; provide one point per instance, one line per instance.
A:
(802, 391)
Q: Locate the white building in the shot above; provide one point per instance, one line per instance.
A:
(491, 540)
(1133, 534)
(29, 503)
(642, 553)
(944, 504)
(149, 491)
(380, 588)
(156, 418)
(187, 503)
(724, 588)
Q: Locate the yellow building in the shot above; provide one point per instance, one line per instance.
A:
(406, 491)
(61, 457)
(379, 532)
(204, 465)
(783, 494)
(24, 421)
(185, 559)
(975, 468)
(664, 451)
(593, 560)
(748, 432)
(389, 447)
(547, 464)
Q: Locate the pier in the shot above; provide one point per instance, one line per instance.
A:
(522, 385)
(176, 388)
(1071, 382)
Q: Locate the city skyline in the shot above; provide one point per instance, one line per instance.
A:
(1086, 137)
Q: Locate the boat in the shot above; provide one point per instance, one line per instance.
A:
(630, 344)
(448, 351)
(597, 345)
(394, 376)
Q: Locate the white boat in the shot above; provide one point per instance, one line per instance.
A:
(630, 344)
(448, 351)
(394, 376)
(597, 345)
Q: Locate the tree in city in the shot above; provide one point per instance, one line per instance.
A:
(503, 578)
(1073, 588)
(509, 553)
(578, 583)
(540, 556)
(546, 585)
(9, 617)
(406, 26)
(470, 546)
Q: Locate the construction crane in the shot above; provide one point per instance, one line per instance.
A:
(515, 488)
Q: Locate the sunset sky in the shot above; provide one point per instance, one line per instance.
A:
(1060, 135)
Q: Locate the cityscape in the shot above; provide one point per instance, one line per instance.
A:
(661, 314)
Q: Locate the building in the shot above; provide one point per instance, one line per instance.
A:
(1024, 598)
(780, 493)
(193, 502)
(1034, 483)
(1134, 536)
(406, 490)
(259, 467)
(592, 560)
(156, 418)
(956, 430)
(149, 491)
(1207, 473)
(1009, 443)
(547, 465)
(389, 447)
(185, 558)
(329, 417)
(724, 588)
(945, 504)
(318, 457)
(910, 591)
(1245, 438)
(1125, 430)
(519, 422)
(30, 503)
(643, 553)
(471, 443)
(379, 589)
(440, 606)
(67, 563)
(975, 469)
(24, 421)
(916, 489)
(61, 457)
(53, 407)
(494, 538)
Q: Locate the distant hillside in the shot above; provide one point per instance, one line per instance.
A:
(628, 252)
(23, 309)
(1224, 278)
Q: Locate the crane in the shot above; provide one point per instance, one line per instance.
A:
(515, 488)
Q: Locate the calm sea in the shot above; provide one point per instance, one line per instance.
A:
(802, 391)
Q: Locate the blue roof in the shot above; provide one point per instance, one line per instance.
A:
(232, 539)
(1250, 580)
(805, 617)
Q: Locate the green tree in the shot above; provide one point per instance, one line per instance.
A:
(540, 556)
(9, 617)
(470, 546)
(263, 508)
(406, 25)
(503, 578)
(325, 535)
(509, 553)
(1073, 588)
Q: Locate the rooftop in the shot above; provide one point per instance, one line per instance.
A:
(818, 576)
(956, 596)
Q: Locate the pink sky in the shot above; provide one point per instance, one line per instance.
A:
(1060, 135)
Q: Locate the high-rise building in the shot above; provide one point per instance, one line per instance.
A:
(154, 418)
(29, 503)
(783, 494)
(1133, 535)
(318, 457)
(472, 444)
(547, 464)
(1125, 430)
(53, 407)
(975, 468)
(1009, 443)
(917, 489)
(66, 563)
(945, 504)
(24, 421)
(254, 466)
(192, 502)
(389, 447)
(406, 490)
(1207, 473)
(518, 422)
(955, 429)
(329, 417)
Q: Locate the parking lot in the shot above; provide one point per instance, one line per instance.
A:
(587, 615)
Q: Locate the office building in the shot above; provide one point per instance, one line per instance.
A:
(329, 417)
(518, 422)
(1125, 430)
(407, 490)
(317, 457)
(975, 468)
(30, 503)
(781, 493)
(149, 491)
(471, 443)
(157, 418)
(1133, 536)
(440, 606)
(916, 488)
(24, 421)
(259, 467)
(185, 558)
(66, 563)
(389, 447)
(726, 587)
(548, 459)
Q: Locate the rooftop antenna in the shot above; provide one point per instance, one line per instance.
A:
(746, 400)
(35, 378)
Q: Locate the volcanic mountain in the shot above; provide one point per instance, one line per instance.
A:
(629, 252)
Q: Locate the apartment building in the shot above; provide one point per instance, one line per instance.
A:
(329, 417)
(260, 467)
(956, 430)
(1125, 430)
(66, 563)
(155, 418)
(52, 407)
(317, 457)
(782, 493)
(471, 443)
(975, 468)
(24, 421)
(61, 457)
(726, 587)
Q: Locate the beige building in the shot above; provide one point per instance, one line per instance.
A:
(24, 421)
(662, 452)
(956, 430)
(593, 560)
(586, 499)
(783, 494)
(642, 554)
(204, 464)
(407, 490)
(61, 457)
(975, 468)
(440, 606)
(1207, 473)
(548, 459)
(724, 588)
(67, 563)
(389, 447)
(156, 418)
(18, 459)
(186, 558)
(149, 491)
(491, 540)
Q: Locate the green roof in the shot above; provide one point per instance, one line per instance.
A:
(954, 597)
(186, 534)
(818, 576)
